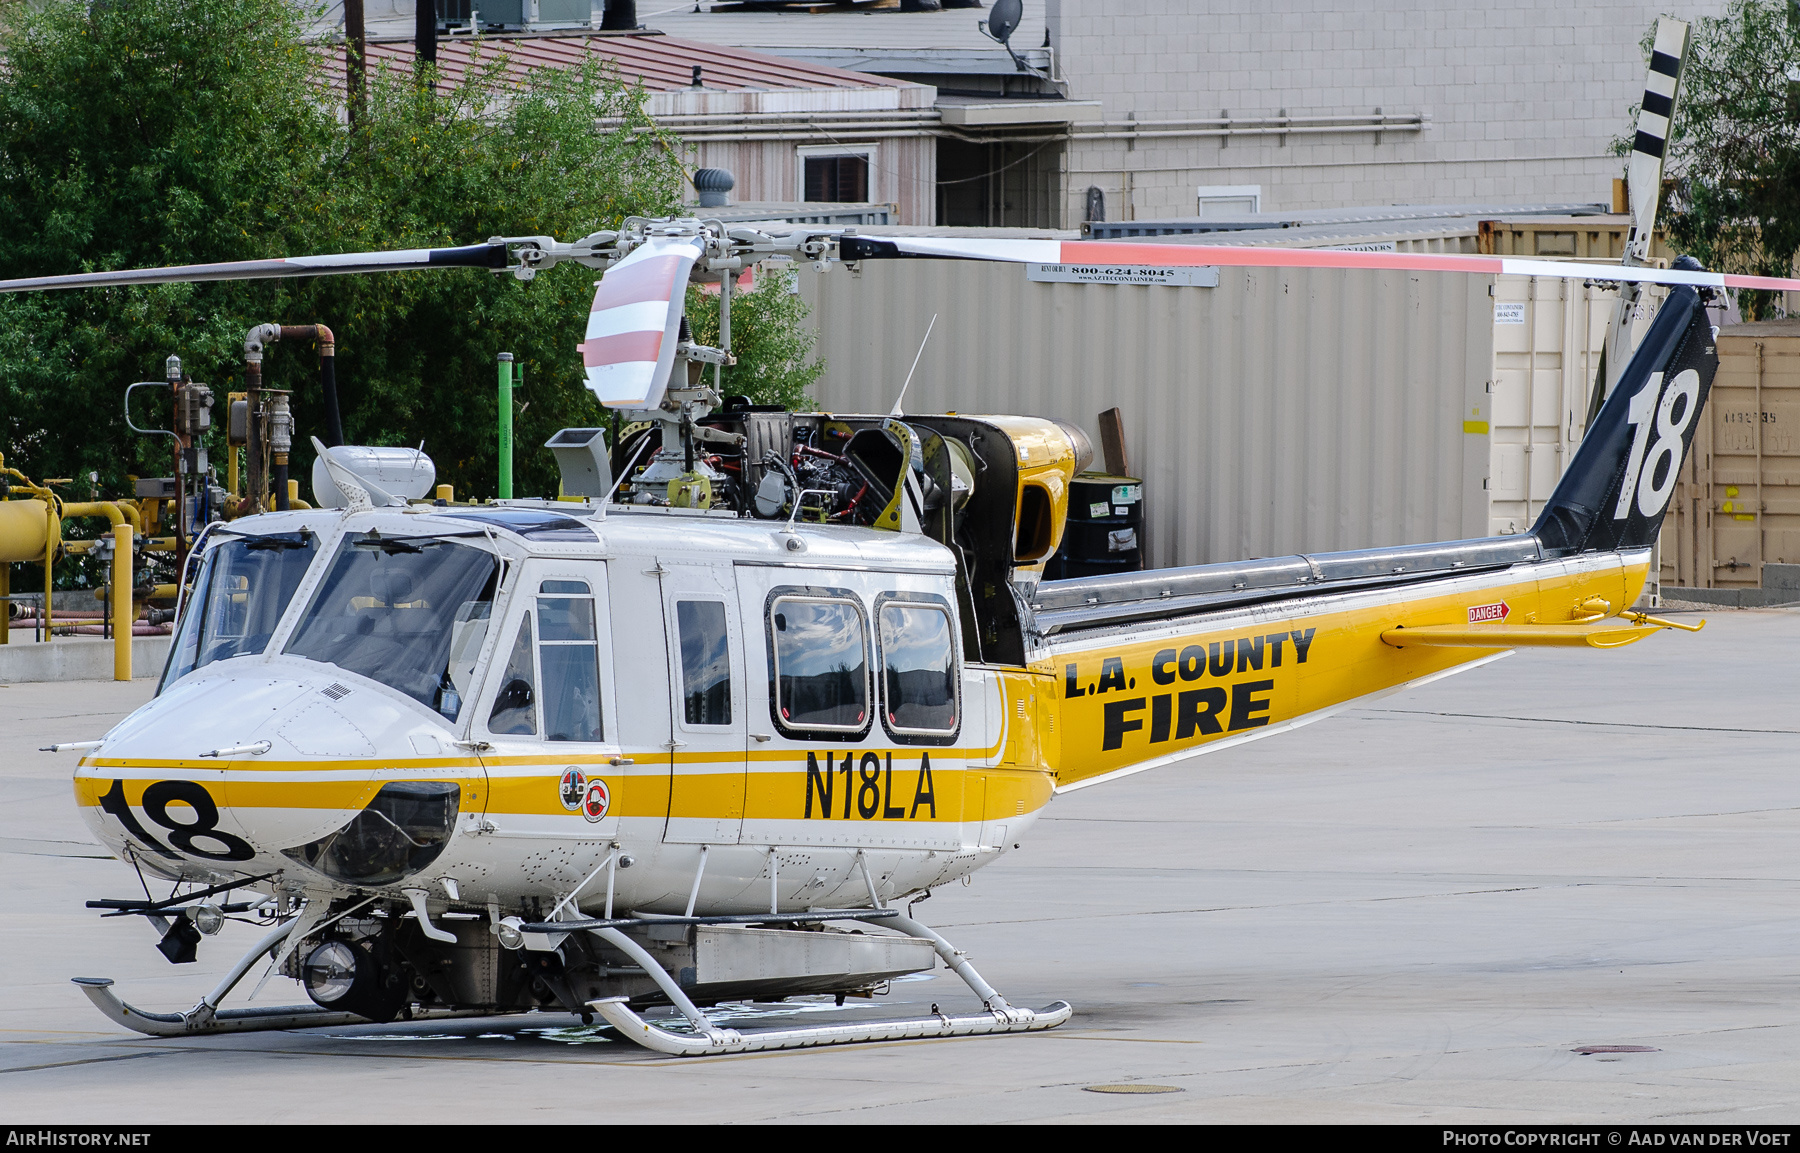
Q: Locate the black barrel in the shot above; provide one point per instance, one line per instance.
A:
(1105, 530)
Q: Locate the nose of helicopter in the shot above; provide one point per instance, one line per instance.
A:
(229, 767)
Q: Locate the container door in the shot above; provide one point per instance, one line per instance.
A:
(707, 755)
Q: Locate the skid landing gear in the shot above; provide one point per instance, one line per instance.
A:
(206, 1017)
(709, 1039)
(998, 1016)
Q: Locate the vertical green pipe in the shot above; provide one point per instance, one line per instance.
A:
(506, 435)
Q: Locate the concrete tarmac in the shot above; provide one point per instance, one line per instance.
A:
(1415, 911)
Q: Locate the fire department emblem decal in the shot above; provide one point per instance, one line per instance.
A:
(597, 802)
(573, 789)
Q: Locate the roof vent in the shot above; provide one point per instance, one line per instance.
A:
(712, 184)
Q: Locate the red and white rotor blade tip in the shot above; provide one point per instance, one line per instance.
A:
(1108, 252)
(636, 323)
(490, 256)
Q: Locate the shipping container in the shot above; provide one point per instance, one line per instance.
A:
(1737, 506)
(1548, 335)
(1283, 410)
(1599, 237)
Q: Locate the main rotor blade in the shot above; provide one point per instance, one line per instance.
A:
(1105, 252)
(469, 256)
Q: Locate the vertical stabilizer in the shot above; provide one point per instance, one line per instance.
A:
(1617, 488)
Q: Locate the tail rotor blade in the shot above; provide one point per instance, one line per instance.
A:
(490, 256)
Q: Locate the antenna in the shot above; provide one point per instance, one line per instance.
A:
(915, 366)
(1003, 20)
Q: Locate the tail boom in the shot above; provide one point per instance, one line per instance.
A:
(1136, 697)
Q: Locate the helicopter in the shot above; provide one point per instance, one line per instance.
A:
(710, 731)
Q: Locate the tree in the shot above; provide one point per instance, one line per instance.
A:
(769, 338)
(141, 134)
(1732, 171)
(451, 167)
(189, 131)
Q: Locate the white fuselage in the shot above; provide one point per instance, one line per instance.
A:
(728, 763)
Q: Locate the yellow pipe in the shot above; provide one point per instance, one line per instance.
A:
(125, 521)
(117, 511)
(124, 612)
(21, 530)
(52, 531)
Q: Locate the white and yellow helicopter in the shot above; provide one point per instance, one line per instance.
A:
(706, 735)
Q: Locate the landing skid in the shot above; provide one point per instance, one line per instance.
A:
(203, 1018)
(716, 1040)
(206, 1017)
(708, 1039)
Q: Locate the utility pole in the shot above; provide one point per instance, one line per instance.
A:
(354, 72)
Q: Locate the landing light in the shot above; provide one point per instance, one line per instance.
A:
(209, 919)
(330, 972)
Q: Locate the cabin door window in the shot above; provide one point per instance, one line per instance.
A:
(515, 705)
(569, 654)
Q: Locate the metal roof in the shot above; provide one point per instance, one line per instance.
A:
(660, 63)
(876, 31)
(1377, 226)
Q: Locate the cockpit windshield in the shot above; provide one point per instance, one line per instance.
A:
(410, 612)
(243, 589)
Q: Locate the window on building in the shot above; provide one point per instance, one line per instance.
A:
(836, 179)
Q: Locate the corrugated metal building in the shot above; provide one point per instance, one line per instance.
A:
(788, 130)
(1284, 410)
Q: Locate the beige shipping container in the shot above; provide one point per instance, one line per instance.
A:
(1548, 334)
(1285, 410)
(1737, 506)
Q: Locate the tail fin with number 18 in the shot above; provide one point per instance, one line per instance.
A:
(1616, 490)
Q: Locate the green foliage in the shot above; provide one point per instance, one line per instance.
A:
(191, 131)
(1733, 164)
(769, 337)
(145, 134)
(453, 167)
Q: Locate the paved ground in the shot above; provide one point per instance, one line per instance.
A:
(1412, 912)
